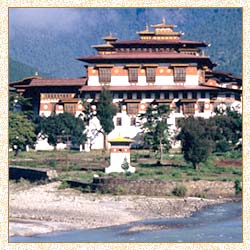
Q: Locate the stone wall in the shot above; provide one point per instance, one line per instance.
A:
(204, 189)
(31, 174)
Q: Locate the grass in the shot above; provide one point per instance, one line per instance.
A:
(143, 160)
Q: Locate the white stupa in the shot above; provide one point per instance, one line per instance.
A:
(120, 156)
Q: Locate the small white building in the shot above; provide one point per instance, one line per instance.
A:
(120, 156)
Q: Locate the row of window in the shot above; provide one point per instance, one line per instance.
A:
(119, 121)
(157, 95)
(105, 74)
(57, 96)
(146, 49)
(189, 108)
(185, 108)
(67, 107)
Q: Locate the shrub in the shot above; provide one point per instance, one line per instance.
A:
(159, 172)
(119, 190)
(175, 174)
(196, 178)
(200, 195)
(52, 163)
(64, 185)
(237, 187)
(128, 173)
(222, 146)
(179, 191)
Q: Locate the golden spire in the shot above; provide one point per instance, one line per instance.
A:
(146, 27)
(163, 20)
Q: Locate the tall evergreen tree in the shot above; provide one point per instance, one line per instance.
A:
(106, 110)
(196, 140)
(155, 129)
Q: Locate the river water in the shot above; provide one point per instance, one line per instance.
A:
(219, 223)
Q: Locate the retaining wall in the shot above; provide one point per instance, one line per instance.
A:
(206, 189)
(31, 174)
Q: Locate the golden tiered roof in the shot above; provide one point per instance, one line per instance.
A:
(162, 31)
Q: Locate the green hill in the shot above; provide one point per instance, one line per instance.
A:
(53, 43)
(18, 71)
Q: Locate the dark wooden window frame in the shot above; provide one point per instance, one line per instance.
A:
(104, 74)
(150, 74)
(179, 74)
(201, 107)
(118, 121)
(189, 108)
(70, 108)
(133, 75)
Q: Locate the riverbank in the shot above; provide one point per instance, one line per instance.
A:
(45, 208)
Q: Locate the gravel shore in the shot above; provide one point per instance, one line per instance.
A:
(44, 208)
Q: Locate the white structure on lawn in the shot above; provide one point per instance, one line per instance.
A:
(120, 156)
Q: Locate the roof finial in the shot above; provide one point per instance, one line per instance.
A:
(146, 27)
(110, 34)
(163, 20)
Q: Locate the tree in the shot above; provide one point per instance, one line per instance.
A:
(196, 142)
(106, 110)
(19, 103)
(155, 129)
(61, 128)
(21, 131)
(226, 130)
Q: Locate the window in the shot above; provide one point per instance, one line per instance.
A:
(201, 107)
(133, 75)
(132, 121)
(179, 74)
(177, 107)
(150, 74)
(188, 108)
(203, 95)
(120, 95)
(201, 76)
(118, 121)
(70, 108)
(53, 108)
(132, 108)
(105, 75)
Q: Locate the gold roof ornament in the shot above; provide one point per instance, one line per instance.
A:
(120, 139)
(110, 37)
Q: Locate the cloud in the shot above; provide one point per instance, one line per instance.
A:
(57, 19)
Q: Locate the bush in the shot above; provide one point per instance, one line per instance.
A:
(196, 178)
(119, 190)
(64, 185)
(222, 146)
(179, 191)
(200, 195)
(237, 187)
(52, 163)
(176, 174)
(159, 172)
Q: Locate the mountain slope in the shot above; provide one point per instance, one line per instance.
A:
(18, 71)
(52, 39)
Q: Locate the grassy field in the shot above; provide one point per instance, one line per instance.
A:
(82, 166)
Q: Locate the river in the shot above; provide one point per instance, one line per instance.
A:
(219, 223)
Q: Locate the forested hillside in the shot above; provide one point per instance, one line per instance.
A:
(18, 71)
(52, 39)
